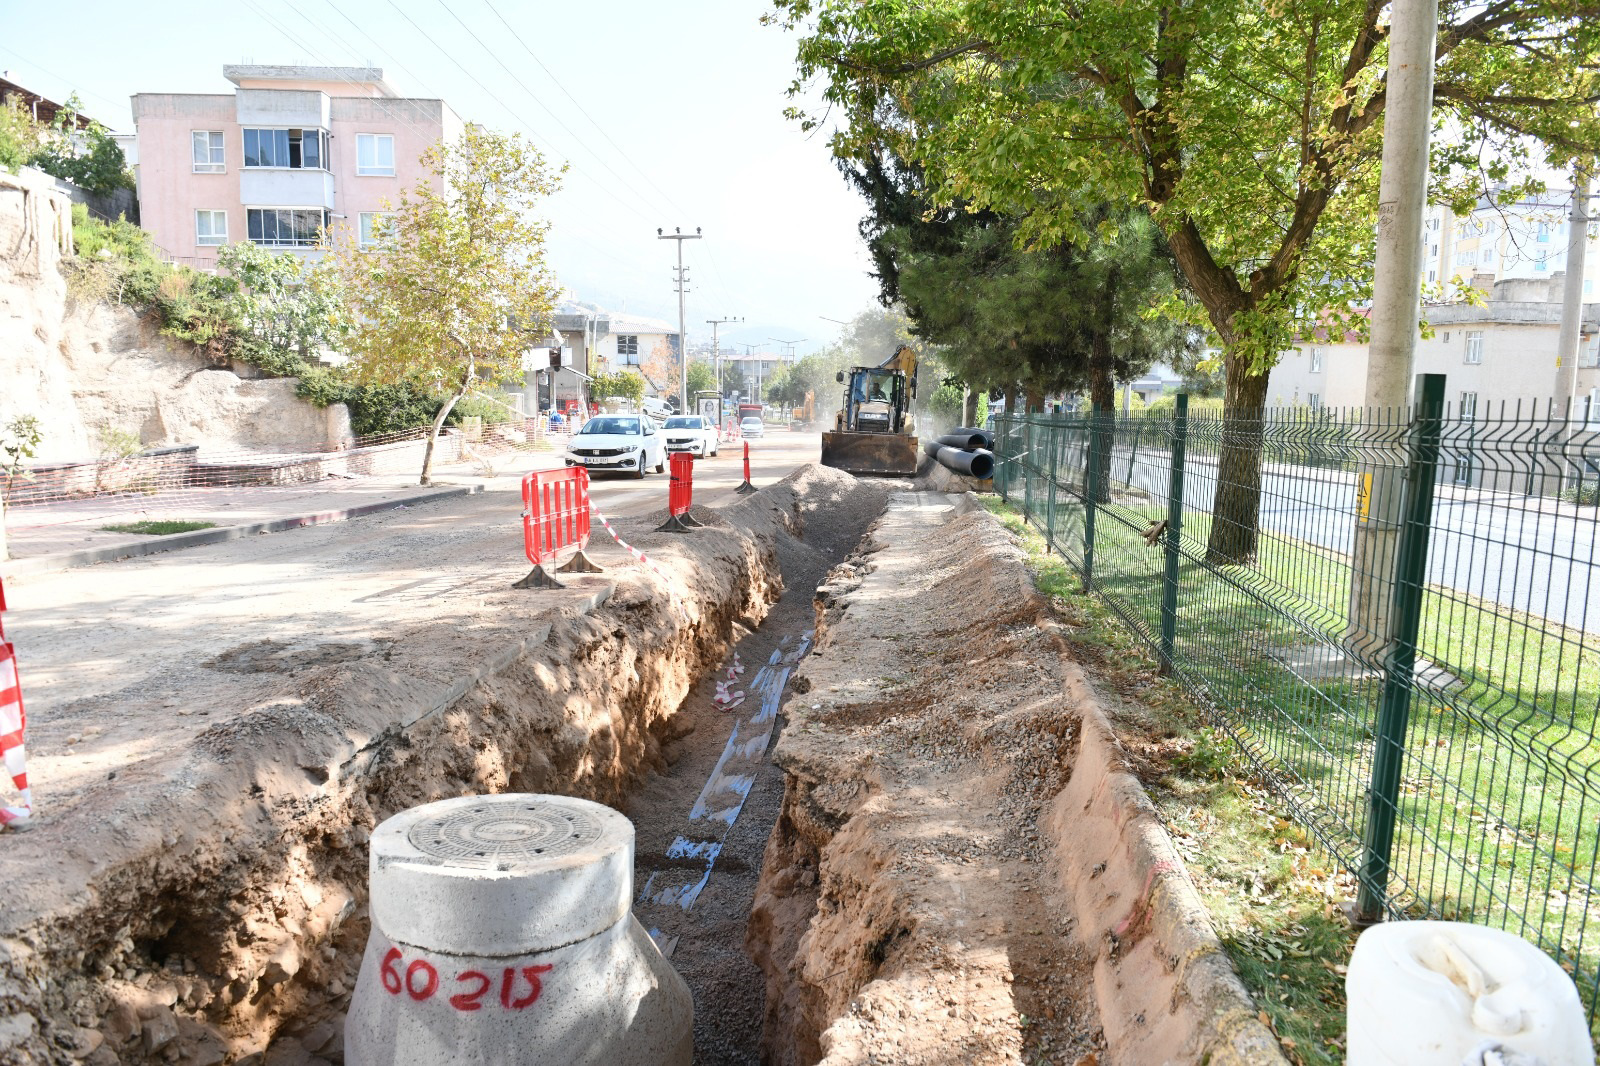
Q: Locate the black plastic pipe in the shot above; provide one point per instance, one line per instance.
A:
(964, 439)
(978, 463)
(986, 434)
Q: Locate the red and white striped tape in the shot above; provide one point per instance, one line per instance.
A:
(643, 558)
(13, 724)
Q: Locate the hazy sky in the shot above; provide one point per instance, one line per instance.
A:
(670, 114)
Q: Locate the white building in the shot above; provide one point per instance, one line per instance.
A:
(1502, 352)
(1527, 239)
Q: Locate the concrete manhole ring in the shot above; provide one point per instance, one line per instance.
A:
(517, 830)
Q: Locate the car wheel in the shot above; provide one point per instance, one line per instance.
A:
(638, 473)
(661, 463)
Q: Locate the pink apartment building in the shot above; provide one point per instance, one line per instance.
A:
(291, 150)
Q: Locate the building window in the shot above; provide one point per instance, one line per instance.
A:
(628, 347)
(1541, 265)
(1488, 253)
(1474, 346)
(1543, 236)
(211, 227)
(375, 154)
(1469, 405)
(1316, 360)
(208, 152)
(1589, 354)
(285, 149)
(285, 227)
(1315, 400)
(1431, 276)
(1446, 338)
(370, 227)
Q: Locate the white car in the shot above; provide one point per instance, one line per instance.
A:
(751, 427)
(690, 433)
(628, 443)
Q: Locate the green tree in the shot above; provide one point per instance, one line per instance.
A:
(89, 158)
(628, 384)
(461, 259)
(18, 441)
(281, 312)
(1251, 133)
(20, 136)
(702, 377)
(732, 378)
(775, 386)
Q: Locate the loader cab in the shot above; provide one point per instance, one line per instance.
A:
(875, 400)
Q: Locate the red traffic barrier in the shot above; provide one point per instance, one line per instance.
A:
(745, 488)
(680, 495)
(555, 517)
(13, 726)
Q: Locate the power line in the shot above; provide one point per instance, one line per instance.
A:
(534, 97)
(493, 96)
(581, 110)
(418, 82)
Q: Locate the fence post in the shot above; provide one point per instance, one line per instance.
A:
(1027, 457)
(1090, 480)
(1169, 581)
(1394, 707)
(1050, 498)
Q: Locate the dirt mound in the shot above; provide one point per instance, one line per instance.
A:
(210, 899)
(925, 897)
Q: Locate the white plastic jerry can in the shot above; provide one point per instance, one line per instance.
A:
(502, 932)
(1455, 994)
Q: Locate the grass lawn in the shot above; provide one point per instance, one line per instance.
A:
(1497, 814)
(158, 528)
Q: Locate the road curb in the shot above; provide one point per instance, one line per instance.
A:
(43, 564)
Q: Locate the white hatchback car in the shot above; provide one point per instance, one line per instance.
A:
(690, 433)
(751, 427)
(628, 443)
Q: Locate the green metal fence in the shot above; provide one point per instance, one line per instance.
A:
(1403, 650)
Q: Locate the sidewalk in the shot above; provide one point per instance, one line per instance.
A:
(69, 533)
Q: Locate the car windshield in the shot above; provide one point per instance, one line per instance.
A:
(684, 422)
(611, 425)
(751, 421)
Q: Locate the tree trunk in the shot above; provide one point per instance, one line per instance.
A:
(969, 408)
(1014, 400)
(1035, 399)
(1103, 400)
(433, 434)
(1236, 513)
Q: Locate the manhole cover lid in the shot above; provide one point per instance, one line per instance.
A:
(506, 832)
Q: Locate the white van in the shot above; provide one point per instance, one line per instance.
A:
(656, 408)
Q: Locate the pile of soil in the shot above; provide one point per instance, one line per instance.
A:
(906, 912)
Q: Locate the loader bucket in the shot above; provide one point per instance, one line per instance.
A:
(870, 453)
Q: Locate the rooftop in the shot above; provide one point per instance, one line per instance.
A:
(357, 77)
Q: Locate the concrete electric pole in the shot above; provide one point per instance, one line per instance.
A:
(1396, 309)
(1572, 294)
(683, 338)
(716, 351)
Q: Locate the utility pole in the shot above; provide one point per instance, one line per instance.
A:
(1570, 336)
(716, 351)
(682, 279)
(1396, 308)
(790, 353)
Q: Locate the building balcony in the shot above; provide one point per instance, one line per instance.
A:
(274, 187)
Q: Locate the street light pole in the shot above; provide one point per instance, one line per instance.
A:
(683, 339)
(716, 350)
(787, 344)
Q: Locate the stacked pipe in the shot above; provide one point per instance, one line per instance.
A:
(964, 452)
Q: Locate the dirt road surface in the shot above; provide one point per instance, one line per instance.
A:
(123, 661)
